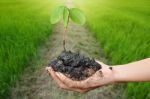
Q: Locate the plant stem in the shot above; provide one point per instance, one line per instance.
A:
(64, 35)
(64, 39)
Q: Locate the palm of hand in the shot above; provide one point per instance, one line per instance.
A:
(100, 78)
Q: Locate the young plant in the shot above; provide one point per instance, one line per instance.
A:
(73, 65)
(65, 13)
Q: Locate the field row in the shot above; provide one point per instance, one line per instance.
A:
(24, 25)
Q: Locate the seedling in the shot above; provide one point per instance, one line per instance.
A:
(65, 13)
(73, 65)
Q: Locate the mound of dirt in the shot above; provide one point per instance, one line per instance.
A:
(74, 65)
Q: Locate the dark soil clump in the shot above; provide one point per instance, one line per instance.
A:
(74, 65)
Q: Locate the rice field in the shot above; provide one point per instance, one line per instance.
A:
(24, 25)
(123, 29)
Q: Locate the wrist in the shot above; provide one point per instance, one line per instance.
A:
(117, 74)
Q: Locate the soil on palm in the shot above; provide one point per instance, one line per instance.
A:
(74, 65)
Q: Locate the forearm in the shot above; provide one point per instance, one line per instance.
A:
(133, 72)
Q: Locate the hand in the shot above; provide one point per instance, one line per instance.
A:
(102, 77)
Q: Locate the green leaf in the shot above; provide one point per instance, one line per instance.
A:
(57, 14)
(77, 16)
(66, 16)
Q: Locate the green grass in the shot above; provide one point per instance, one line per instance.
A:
(24, 25)
(123, 29)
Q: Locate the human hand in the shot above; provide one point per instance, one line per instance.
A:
(102, 77)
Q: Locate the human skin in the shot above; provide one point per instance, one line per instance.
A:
(133, 72)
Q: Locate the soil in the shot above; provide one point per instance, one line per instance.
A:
(74, 65)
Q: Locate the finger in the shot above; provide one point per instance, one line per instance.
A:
(72, 84)
(61, 84)
(54, 76)
(101, 63)
(95, 80)
(81, 90)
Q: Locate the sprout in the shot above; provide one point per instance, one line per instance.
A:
(65, 13)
